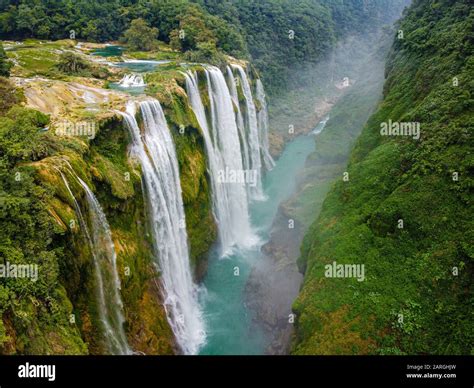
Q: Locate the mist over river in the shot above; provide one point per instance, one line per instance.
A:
(229, 321)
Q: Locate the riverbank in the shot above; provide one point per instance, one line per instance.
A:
(275, 281)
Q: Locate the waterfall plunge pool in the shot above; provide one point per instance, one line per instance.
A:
(228, 321)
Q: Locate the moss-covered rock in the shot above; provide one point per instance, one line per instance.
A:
(104, 165)
(190, 149)
(102, 162)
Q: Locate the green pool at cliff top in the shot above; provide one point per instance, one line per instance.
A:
(109, 51)
(228, 321)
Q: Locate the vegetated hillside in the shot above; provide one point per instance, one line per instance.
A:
(285, 35)
(347, 118)
(405, 211)
(302, 48)
(57, 314)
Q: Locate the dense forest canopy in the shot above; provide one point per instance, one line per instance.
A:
(279, 35)
(285, 35)
(101, 21)
(5, 65)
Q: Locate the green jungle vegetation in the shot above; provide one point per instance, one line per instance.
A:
(405, 209)
(256, 30)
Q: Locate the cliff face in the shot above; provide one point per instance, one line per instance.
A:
(101, 159)
(103, 163)
(202, 231)
(119, 189)
(403, 210)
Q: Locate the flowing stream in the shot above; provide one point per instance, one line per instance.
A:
(228, 320)
(132, 81)
(214, 319)
(236, 138)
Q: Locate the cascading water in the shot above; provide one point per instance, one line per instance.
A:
(156, 153)
(320, 127)
(262, 117)
(251, 125)
(240, 121)
(132, 81)
(100, 242)
(221, 138)
(236, 134)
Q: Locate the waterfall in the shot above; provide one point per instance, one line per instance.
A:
(320, 127)
(251, 125)
(240, 121)
(156, 153)
(224, 156)
(132, 81)
(262, 117)
(100, 242)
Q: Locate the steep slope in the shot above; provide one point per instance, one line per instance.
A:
(58, 313)
(297, 48)
(404, 208)
(294, 33)
(276, 280)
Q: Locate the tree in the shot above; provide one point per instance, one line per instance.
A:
(20, 135)
(192, 31)
(206, 52)
(5, 65)
(71, 63)
(9, 95)
(140, 36)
